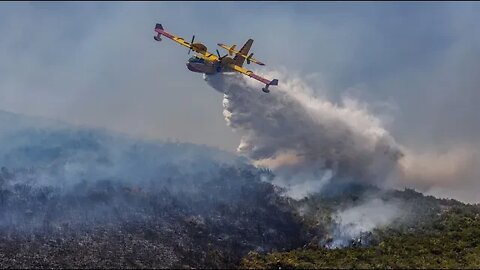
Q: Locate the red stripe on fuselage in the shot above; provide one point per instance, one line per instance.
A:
(162, 32)
(265, 81)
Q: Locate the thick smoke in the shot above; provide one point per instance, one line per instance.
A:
(310, 142)
(305, 140)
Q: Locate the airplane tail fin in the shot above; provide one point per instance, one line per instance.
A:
(239, 59)
(272, 82)
(159, 30)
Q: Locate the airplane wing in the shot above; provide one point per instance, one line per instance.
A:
(250, 74)
(242, 53)
(202, 50)
(196, 47)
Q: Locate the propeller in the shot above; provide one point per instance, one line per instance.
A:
(221, 57)
(249, 57)
(193, 38)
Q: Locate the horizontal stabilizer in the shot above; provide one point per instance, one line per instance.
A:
(238, 54)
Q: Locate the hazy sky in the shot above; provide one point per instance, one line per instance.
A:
(96, 64)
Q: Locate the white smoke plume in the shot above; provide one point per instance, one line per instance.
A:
(306, 141)
(352, 222)
(309, 141)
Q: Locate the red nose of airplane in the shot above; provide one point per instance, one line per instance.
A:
(192, 68)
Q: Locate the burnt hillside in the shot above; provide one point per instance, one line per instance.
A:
(72, 197)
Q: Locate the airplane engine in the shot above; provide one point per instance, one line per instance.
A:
(205, 62)
(227, 60)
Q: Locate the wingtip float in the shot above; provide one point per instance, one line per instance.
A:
(208, 63)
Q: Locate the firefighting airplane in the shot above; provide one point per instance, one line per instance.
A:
(208, 63)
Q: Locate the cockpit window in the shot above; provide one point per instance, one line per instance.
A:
(195, 59)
